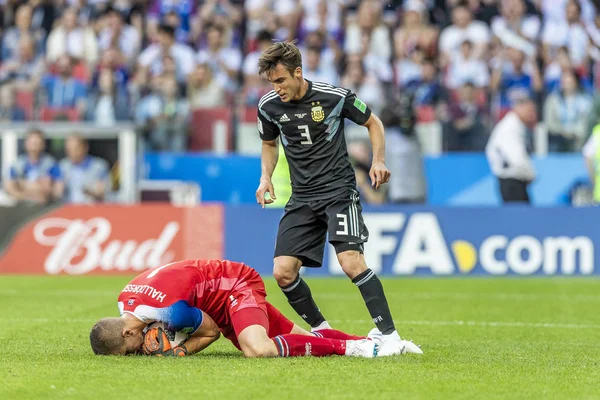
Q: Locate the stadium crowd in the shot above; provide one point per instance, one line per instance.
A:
(156, 61)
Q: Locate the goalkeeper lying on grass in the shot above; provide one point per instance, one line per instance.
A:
(207, 298)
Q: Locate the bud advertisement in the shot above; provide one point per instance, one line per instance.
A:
(108, 239)
(427, 241)
(403, 240)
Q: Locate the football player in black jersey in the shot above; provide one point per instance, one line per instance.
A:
(308, 117)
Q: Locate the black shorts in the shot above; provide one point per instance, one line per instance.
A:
(304, 226)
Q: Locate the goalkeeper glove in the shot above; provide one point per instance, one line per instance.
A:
(156, 343)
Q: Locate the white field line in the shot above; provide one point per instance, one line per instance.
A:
(483, 324)
(467, 296)
(458, 323)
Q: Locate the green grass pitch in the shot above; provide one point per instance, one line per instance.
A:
(498, 338)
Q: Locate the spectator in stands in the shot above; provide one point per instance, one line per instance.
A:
(260, 13)
(566, 113)
(9, 111)
(151, 59)
(26, 69)
(68, 38)
(407, 183)
(322, 16)
(368, 36)
(255, 86)
(554, 70)
(570, 33)
(225, 61)
(23, 27)
(165, 115)
(314, 70)
(360, 156)
(112, 61)
(221, 12)
(514, 27)
(409, 69)
(366, 87)
(331, 53)
(184, 10)
(466, 129)
(117, 34)
(513, 77)
(203, 90)
(427, 90)
(464, 68)
(109, 105)
(30, 178)
(82, 178)
(414, 31)
(508, 151)
(288, 13)
(63, 90)
(43, 15)
(463, 28)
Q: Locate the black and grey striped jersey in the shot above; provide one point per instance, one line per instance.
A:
(312, 132)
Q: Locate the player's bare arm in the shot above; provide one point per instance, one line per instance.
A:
(379, 173)
(207, 334)
(269, 156)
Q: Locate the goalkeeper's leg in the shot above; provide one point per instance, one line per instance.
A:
(253, 325)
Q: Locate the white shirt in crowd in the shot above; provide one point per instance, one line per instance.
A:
(462, 71)
(128, 42)
(555, 10)
(506, 150)
(183, 55)
(574, 36)
(530, 26)
(452, 37)
(228, 56)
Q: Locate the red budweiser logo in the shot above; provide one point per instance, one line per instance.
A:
(114, 239)
(80, 246)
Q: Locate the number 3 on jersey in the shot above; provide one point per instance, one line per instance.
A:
(305, 133)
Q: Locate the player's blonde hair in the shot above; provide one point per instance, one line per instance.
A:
(284, 53)
(106, 337)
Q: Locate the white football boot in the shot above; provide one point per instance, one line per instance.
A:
(360, 348)
(391, 345)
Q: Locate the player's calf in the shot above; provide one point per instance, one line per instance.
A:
(266, 349)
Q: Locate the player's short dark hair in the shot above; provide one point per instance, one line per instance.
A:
(264, 36)
(284, 53)
(106, 338)
(110, 10)
(167, 30)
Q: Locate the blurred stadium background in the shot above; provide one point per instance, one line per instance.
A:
(148, 110)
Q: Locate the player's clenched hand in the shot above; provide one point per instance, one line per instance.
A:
(379, 174)
(265, 186)
(156, 343)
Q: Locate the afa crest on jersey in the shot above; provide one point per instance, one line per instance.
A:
(316, 112)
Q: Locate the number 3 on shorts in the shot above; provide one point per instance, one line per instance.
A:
(343, 223)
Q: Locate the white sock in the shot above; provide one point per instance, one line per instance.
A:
(393, 334)
(323, 325)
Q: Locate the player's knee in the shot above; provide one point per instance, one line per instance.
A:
(284, 274)
(352, 263)
(260, 350)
